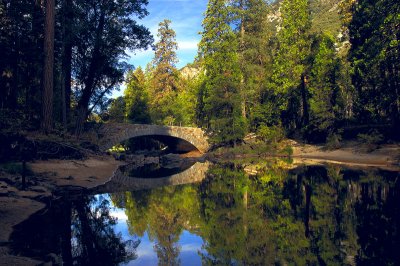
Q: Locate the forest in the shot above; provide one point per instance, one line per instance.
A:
(313, 70)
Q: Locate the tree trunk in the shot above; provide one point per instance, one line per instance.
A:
(83, 103)
(48, 76)
(305, 118)
(242, 81)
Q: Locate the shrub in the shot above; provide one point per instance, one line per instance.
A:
(272, 134)
(333, 141)
(14, 168)
(372, 139)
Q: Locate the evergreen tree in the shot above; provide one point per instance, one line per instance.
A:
(116, 110)
(136, 98)
(165, 76)
(21, 60)
(255, 32)
(325, 95)
(374, 36)
(290, 66)
(220, 95)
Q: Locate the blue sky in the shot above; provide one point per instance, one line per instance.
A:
(186, 17)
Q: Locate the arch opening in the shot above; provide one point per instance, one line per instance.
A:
(157, 145)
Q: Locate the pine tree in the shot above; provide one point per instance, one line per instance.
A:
(290, 66)
(255, 33)
(326, 104)
(136, 98)
(165, 76)
(374, 37)
(220, 95)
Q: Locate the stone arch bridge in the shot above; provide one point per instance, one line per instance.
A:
(111, 134)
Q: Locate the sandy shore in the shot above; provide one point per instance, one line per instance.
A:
(353, 154)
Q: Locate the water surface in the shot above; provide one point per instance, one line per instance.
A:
(315, 215)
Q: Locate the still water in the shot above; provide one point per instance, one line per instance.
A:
(314, 215)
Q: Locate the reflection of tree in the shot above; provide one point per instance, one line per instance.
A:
(234, 230)
(307, 216)
(164, 213)
(94, 241)
(319, 197)
(379, 221)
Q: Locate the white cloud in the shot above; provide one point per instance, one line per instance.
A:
(187, 44)
(140, 53)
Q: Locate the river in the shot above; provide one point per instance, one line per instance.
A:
(220, 214)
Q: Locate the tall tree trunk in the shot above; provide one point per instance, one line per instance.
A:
(306, 117)
(83, 104)
(242, 81)
(48, 76)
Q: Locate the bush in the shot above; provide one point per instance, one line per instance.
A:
(14, 168)
(333, 141)
(272, 134)
(372, 139)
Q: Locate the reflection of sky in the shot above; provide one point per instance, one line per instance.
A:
(190, 244)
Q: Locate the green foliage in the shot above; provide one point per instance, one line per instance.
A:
(286, 84)
(136, 98)
(91, 40)
(164, 81)
(326, 104)
(220, 94)
(272, 134)
(371, 139)
(333, 141)
(294, 45)
(374, 53)
(116, 111)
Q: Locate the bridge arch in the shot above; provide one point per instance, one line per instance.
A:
(112, 134)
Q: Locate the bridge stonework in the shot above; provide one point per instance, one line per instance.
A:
(113, 133)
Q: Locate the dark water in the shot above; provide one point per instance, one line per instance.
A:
(306, 216)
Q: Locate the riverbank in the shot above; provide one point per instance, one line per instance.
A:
(350, 153)
(385, 156)
(50, 176)
(17, 205)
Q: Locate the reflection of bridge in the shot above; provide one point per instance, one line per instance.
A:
(113, 133)
(120, 182)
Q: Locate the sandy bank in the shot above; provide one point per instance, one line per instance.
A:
(88, 173)
(18, 205)
(351, 153)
